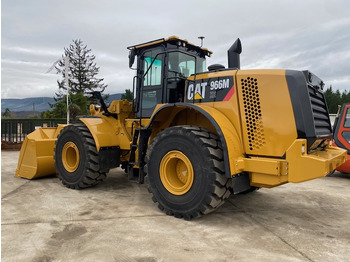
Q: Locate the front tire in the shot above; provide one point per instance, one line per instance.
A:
(76, 158)
(186, 172)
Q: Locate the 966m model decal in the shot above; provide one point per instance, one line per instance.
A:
(210, 89)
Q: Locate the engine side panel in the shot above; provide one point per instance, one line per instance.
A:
(268, 123)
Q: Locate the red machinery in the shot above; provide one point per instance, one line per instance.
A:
(341, 134)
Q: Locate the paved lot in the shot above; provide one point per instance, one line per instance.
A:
(117, 221)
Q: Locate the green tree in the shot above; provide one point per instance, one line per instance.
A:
(46, 114)
(82, 69)
(7, 113)
(330, 99)
(336, 98)
(345, 97)
(82, 80)
(78, 105)
(127, 95)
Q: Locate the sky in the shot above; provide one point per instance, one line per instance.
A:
(291, 34)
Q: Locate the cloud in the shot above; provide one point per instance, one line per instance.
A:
(289, 34)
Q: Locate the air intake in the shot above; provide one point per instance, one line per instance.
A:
(253, 114)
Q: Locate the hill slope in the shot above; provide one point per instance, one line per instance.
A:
(37, 104)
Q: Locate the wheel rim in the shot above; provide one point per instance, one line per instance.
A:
(70, 157)
(176, 173)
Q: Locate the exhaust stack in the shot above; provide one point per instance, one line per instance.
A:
(233, 55)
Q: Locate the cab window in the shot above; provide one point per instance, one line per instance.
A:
(347, 118)
(149, 99)
(153, 67)
(183, 65)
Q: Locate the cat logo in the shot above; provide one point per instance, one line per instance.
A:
(210, 90)
(196, 91)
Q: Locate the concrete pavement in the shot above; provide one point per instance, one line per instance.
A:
(117, 221)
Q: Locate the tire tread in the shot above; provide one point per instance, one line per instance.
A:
(91, 175)
(220, 188)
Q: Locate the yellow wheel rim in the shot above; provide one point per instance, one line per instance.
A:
(176, 173)
(70, 157)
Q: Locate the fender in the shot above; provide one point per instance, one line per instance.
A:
(103, 130)
(227, 133)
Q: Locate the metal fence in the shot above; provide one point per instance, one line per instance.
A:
(15, 130)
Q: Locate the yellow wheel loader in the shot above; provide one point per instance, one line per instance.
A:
(197, 134)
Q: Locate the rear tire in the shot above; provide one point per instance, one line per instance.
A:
(186, 172)
(76, 158)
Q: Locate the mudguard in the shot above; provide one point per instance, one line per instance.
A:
(104, 131)
(227, 133)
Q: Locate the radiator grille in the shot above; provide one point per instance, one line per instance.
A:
(252, 111)
(320, 112)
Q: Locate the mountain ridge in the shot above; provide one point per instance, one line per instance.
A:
(37, 104)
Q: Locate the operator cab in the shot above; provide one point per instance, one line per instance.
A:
(163, 66)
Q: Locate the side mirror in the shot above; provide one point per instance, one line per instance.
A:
(132, 55)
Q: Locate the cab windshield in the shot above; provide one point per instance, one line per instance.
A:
(183, 65)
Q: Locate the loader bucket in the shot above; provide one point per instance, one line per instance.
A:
(36, 156)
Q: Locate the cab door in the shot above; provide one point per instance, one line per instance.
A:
(151, 81)
(341, 134)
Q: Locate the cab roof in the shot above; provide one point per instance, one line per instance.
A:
(171, 39)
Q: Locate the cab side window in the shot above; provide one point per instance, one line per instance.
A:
(152, 66)
(347, 118)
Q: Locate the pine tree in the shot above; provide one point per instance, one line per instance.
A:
(78, 105)
(334, 99)
(127, 95)
(330, 99)
(7, 113)
(82, 78)
(82, 70)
